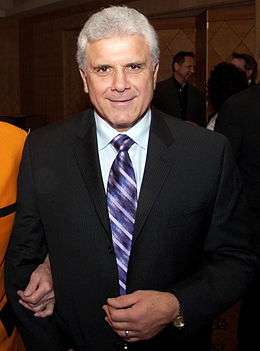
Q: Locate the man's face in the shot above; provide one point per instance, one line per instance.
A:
(120, 78)
(240, 63)
(183, 71)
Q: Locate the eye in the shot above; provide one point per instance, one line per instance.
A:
(103, 69)
(135, 66)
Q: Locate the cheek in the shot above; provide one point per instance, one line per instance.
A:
(97, 92)
(148, 86)
(98, 86)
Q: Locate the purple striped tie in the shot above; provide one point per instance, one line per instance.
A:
(122, 203)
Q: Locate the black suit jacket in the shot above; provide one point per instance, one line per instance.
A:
(166, 99)
(189, 238)
(239, 120)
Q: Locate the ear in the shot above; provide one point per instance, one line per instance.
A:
(85, 83)
(249, 73)
(155, 73)
(176, 66)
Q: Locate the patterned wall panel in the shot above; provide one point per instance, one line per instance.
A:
(174, 34)
(231, 30)
(172, 41)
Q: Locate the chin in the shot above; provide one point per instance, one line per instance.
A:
(122, 126)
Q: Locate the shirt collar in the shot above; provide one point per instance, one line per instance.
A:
(179, 85)
(139, 132)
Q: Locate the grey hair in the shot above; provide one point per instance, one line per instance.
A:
(112, 21)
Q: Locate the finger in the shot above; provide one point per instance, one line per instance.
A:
(20, 293)
(32, 285)
(122, 326)
(41, 305)
(38, 297)
(123, 301)
(48, 311)
(37, 307)
(24, 304)
(117, 326)
(120, 315)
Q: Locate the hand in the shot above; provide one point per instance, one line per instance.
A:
(39, 295)
(143, 313)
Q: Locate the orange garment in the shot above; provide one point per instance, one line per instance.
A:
(11, 145)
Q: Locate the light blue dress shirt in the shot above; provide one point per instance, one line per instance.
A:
(138, 151)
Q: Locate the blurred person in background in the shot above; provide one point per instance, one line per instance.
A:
(176, 96)
(239, 121)
(247, 64)
(224, 81)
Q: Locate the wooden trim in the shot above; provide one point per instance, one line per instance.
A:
(231, 13)
(173, 23)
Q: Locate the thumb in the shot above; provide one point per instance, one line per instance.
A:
(32, 286)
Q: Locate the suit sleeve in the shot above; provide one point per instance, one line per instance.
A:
(229, 263)
(27, 249)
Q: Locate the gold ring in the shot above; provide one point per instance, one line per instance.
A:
(126, 333)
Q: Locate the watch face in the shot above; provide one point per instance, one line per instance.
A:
(179, 322)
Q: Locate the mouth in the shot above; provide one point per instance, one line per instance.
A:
(121, 102)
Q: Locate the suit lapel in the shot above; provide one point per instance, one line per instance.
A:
(159, 161)
(86, 152)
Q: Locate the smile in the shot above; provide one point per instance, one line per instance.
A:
(121, 103)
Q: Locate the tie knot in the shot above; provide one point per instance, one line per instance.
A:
(122, 142)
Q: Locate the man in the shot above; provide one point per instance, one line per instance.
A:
(139, 211)
(239, 121)
(176, 97)
(247, 64)
(11, 146)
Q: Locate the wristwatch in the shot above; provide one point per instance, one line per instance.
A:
(178, 322)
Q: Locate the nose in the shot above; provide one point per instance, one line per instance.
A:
(120, 81)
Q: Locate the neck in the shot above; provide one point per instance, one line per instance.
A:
(179, 78)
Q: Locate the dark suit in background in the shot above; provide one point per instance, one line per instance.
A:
(167, 98)
(189, 237)
(239, 120)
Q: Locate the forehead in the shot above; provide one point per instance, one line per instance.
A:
(188, 60)
(118, 49)
(238, 62)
